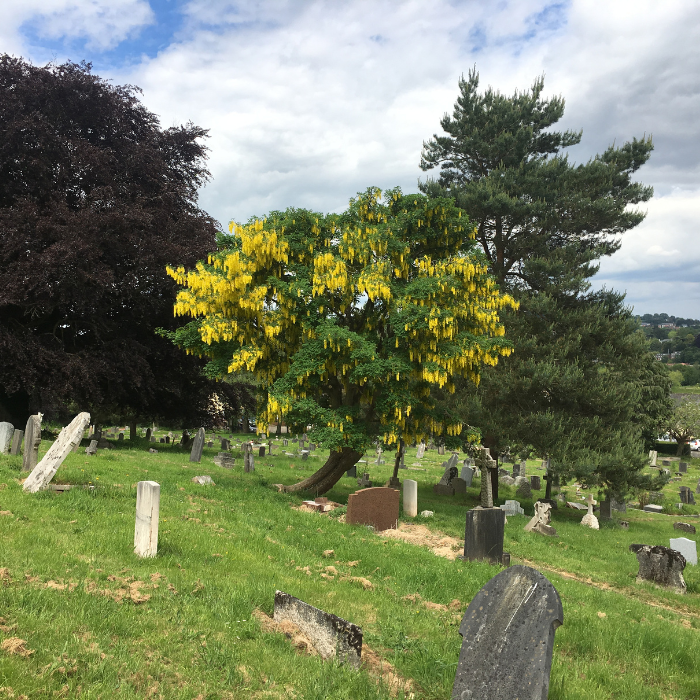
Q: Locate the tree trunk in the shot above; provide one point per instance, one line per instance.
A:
(132, 430)
(397, 461)
(328, 475)
(494, 484)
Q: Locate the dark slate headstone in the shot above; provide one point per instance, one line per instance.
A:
(167, 439)
(161, 441)
(483, 534)
(197, 446)
(535, 483)
(149, 432)
(508, 638)
(261, 451)
(684, 527)
(248, 460)
(686, 495)
(683, 467)
(606, 510)
(460, 485)
(120, 436)
(352, 471)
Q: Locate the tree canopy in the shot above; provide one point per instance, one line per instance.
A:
(95, 200)
(348, 320)
(581, 385)
(684, 424)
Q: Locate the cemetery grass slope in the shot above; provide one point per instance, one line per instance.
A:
(189, 624)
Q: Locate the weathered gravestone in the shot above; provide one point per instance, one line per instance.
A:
(305, 455)
(684, 527)
(589, 520)
(32, 440)
(660, 565)
(483, 533)
(331, 636)
(285, 442)
(91, 449)
(149, 433)
(686, 495)
(410, 497)
(508, 638)
(378, 507)
(352, 472)
(467, 474)
(261, 451)
(147, 514)
(512, 508)
(225, 460)
(363, 481)
(605, 510)
(619, 506)
(540, 523)
(161, 441)
(121, 437)
(697, 488)
(248, 459)
(535, 483)
(441, 449)
(204, 480)
(524, 490)
(444, 487)
(197, 446)
(421, 451)
(687, 548)
(6, 430)
(16, 442)
(682, 468)
(459, 485)
(653, 454)
(666, 462)
(67, 439)
(167, 439)
(653, 508)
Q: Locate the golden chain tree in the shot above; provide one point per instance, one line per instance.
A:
(348, 320)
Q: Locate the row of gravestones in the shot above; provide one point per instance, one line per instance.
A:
(11, 441)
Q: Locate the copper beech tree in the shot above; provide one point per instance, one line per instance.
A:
(348, 320)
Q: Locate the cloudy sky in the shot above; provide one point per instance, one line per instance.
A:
(308, 102)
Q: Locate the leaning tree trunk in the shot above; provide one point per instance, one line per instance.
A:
(329, 474)
(397, 461)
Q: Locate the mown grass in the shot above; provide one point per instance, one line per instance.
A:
(225, 549)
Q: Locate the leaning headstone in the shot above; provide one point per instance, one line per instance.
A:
(687, 548)
(684, 527)
(6, 430)
(204, 480)
(67, 439)
(660, 565)
(652, 508)
(91, 449)
(666, 462)
(508, 638)
(507, 480)
(410, 498)
(16, 442)
(147, 513)
(32, 440)
(378, 507)
(682, 467)
(467, 475)
(589, 520)
(535, 483)
(512, 508)
(331, 636)
(197, 446)
(540, 523)
(444, 487)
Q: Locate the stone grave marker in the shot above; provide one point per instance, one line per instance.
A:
(378, 507)
(149, 433)
(697, 488)
(459, 485)
(441, 449)
(197, 446)
(394, 482)
(540, 523)
(515, 472)
(687, 548)
(67, 439)
(508, 638)
(32, 440)
(248, 459)
(225, 444)
(421, 451)
(684, 527)
(653, 454)
(285, 442)
(167, 439)
(304, 455)
(312, 446)
(524, 490)
(535, 483)
(686, 495)
(225, 460)
(653, 508)
(605, 510)
(444, 487)
(16, 442)
(6, 430)
(161, 441)
(91, 449)
(682, 467)
(666, 462)
(147, 514)
(352, 472)
(589, 520)
(363, 481)
(121, 437)
(410, 498)
(512, 508)
(467, 474)
(331, 636)
(204, 480)
(261, 451)
(660, 565)
(619, 506)
(379, 456)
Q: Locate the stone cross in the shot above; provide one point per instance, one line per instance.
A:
(540, 523)
(508, 638)
(589, 520)
(147, 514)
(485, 463)
(32, 440)
(67, 439)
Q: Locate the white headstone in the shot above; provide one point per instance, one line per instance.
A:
(6, 430)
(32, 440)
(687, 548)
(589, 520)
(147, 514)
(67, 439)
(421, 451)
(410, 497)
(512, 508)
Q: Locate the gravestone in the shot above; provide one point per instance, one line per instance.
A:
(331, 636)
(666, 462)
(225, 460)
(512, 508)
(684, 527)
(248, 460)
(410, 498)
(445, 487)
(161, 441)
(225, 444)
(301, 444)
(147, 514)
(304, 455)
(379, 456)
(394, 482)
(660, 565)
(653, 454)
(121, 437)
(378, 507)
(467, 475)
(6, 430)
(605, 510)
(441, 449)
(363, 481)
(619, 506)
(697, 488)
(91, 449)
(16, 442)
(589, 520)
(652, 508)
(197, 446)
(285, 442)
(204, 480)
(515, 472)
(153, 439)
(421, 451)
(261, 451)
(312, 446)
(483, 534)
(682, 468)
(67, 439)
(686, 495)
(210, 443)
(687, 548)
(540, 522)
(535, 483)
(32, 440)
(508, 638)
(352, 472)
(149, 433)
(167, 439)
(459, 485)
(507, 480)
(524, 490)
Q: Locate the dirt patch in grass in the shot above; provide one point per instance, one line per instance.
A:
(16, 646)
(438, 543)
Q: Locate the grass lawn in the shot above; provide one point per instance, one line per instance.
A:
(190, 624)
